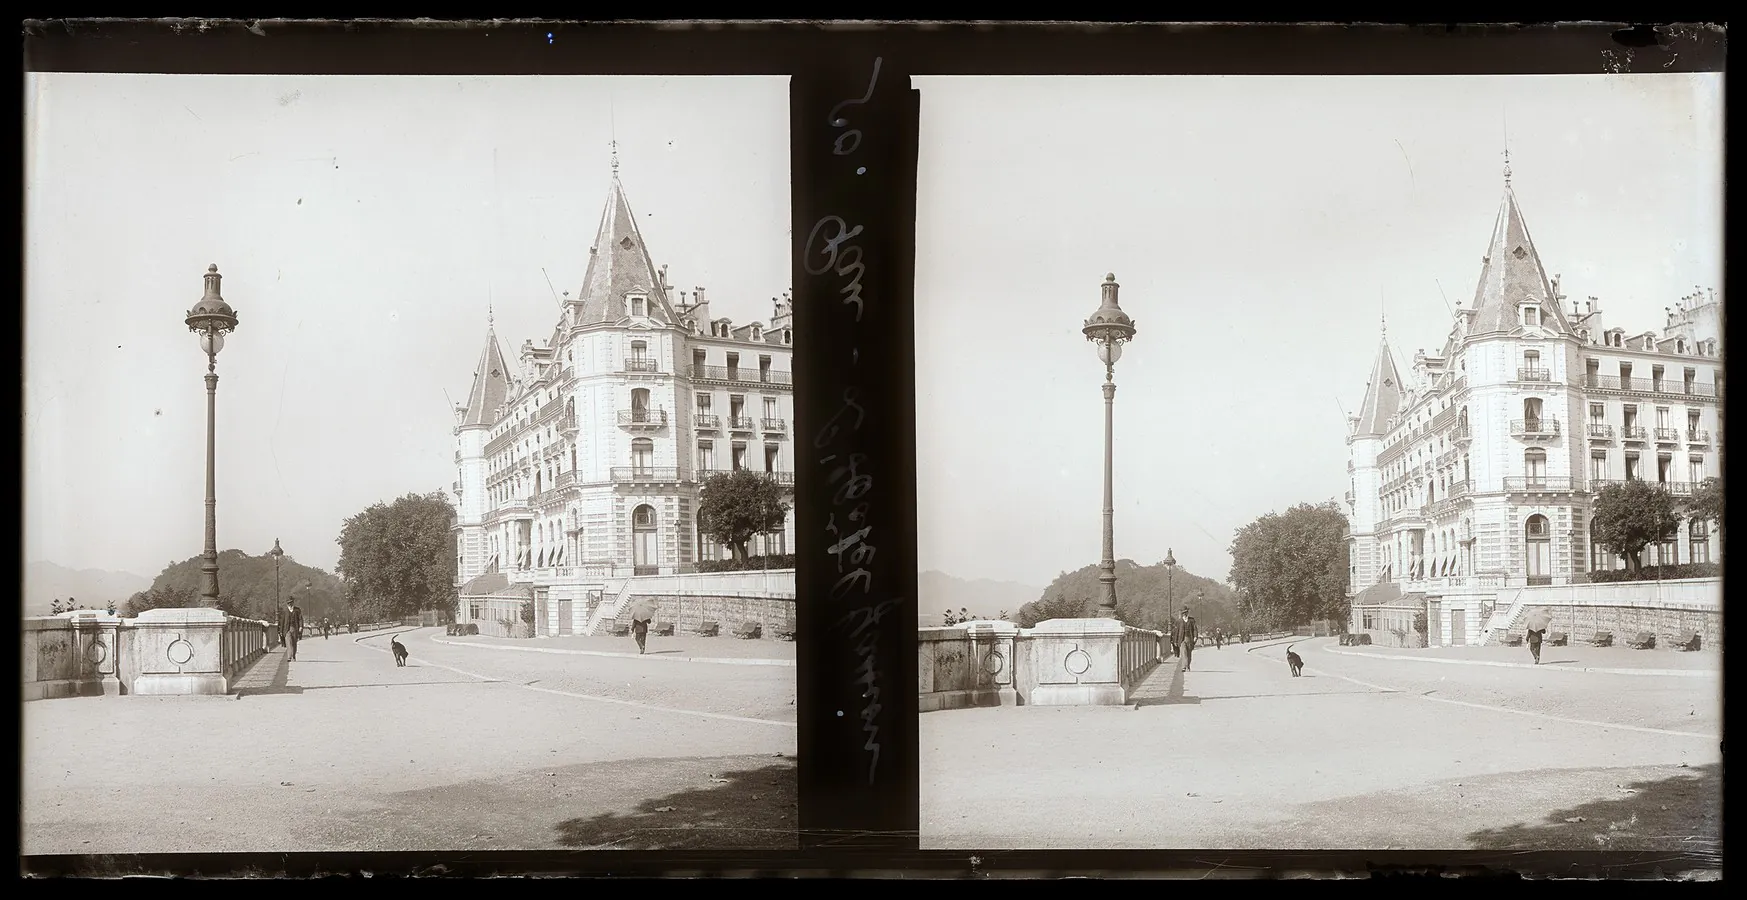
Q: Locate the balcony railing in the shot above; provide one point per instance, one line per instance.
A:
(1698, 436)
(642, 364)
(643, 418)
(775, 424)
(1677, 488)
(567, 425)
(1525, 373)
(645, 474)
(1535, 428)
(563, 480)
(1668, 435)
(1651, 386)
(1537, 483)
(739, 423)
(1458, 489)
(1461, 433)
(706, 421)
(738, 375)
(703, 475)
(1633, 432)
(1601, 431)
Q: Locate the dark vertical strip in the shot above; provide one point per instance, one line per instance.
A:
(854, 175)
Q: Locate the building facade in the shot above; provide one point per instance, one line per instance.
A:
(581, 463)
(1476, 469)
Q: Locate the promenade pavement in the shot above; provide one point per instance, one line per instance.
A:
(724, 649)
(1366, 752)
(461, 749)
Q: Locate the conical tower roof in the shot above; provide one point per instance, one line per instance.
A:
(491, 383)
(619, 264)
(1512, 274)
(1383, 395)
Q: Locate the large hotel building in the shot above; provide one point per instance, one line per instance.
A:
(1475, 469)
(580, 464)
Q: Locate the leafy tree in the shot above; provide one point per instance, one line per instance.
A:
(1291, 567)
(734, 506)
(1706, 504)
(399, 558)
(1146, 596)
(1631, 515)
(1056, 605)
(246, 587)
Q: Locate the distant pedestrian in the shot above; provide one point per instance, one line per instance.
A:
(1188, 638)
(964, 614)
(293, 626)
(640, 630)
(1535, 644)
(950, 618)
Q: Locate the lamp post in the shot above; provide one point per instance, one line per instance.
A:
(1109, 328)
(1170, 582)
(277, 555)
(211, 319)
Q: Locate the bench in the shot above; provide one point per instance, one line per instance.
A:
(785, 635)
(1688, 640)
(748, 630)
(1558, 638)
(1643, 640)
(1514, 640)
(664, 629)
(1602, 639)
(709, 629)
(621, 629)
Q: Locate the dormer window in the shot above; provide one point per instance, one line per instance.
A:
(788, 336)
(1680, 346)
(756, 333)
(1531, 314)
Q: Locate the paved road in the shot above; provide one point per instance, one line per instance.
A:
(465, 748)
(1364, 752)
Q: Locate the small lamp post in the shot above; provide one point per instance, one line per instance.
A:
(277, 555)
(1109, 328)
(210, 320)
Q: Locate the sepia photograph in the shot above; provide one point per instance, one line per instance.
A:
(1320, 463)
(408, 464)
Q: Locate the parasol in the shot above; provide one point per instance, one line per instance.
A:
(642, 610)
(1539, 619)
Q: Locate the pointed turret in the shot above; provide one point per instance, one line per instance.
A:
(618, 265)
(1383, 395)
(491, 383)
(1511, 275)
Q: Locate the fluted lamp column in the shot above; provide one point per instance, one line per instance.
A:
(210, 320)
(1108, 329)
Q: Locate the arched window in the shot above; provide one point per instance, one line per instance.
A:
(1538, 550)
(643, 456)
(1535, 468)
(644, 540)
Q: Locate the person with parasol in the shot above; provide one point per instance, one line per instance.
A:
(1539, 620)
(642, 613)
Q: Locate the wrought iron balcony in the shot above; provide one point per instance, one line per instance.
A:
(1525, 373)
(781, 477)
(1543, 429)
(564, 479)
(642, 364)
(1697, 436)
(1667, 435)
(705, 474)
(1677, 488)
(739, 423)
(1630, 385)
(645, 475)
(706, 422)
(1459, 489)
(737, 375)
(567, 425)
(1541, 484)
(1600, 431)
(1462, 434)
(643, 418)
(775, 424)
(1633, 432)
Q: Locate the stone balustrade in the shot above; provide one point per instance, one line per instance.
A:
(1094, 662)
(160, 652)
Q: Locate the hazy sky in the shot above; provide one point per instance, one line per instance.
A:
(362, 226)
(1258, 227)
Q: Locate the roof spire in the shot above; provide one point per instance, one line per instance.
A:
(490, 315)
(1506, 116)
(614, 143)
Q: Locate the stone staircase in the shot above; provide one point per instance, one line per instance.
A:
(608, 610)
(1502, 624)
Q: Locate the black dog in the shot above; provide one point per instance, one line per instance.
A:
(399, 649)
(1295, 662)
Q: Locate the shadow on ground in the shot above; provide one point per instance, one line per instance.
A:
(1681, 813)
(751, 808)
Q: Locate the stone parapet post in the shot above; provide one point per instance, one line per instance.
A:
(181, 651)
(1076, 662)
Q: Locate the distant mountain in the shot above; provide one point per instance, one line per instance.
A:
(46, 582)
(249, 586)
(937, 592)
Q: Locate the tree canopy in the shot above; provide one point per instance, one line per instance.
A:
(399, 558)
(1706, 502)
(1145, 596)
(735, 506)
(1291, 568)
(1632, 515)
(245, 587)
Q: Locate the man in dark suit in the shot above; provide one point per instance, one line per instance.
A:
(293, 624)
(1186, 633)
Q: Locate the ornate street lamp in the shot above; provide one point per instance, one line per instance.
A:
(277, 555)
(1109, 328)
(211, 319)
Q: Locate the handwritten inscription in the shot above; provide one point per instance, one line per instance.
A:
(830, 252)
